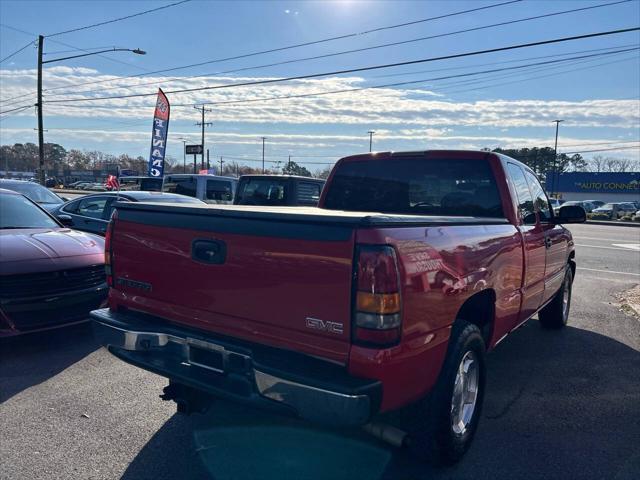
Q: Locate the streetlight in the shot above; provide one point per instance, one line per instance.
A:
(184, 154)
(370, 132)
(555, 159)
(41, 175)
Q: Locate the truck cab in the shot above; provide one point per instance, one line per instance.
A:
(208, 188)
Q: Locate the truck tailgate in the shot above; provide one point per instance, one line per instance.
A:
(273, 279)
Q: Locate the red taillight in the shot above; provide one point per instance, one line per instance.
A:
(378, 318)
(108, 267)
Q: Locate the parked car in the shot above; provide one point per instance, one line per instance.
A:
(34, 191)
(208, 188)
(596, 203)
(588, 207)
(95, 187)
(91, 213)
(616, 210)
(280, 190)
(388, 294)
(49, 275)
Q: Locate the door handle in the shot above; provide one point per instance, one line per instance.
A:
(547, 242)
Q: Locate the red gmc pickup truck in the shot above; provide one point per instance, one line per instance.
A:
(386, 296)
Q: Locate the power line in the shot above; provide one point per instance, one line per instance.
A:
(361, 49)
(24, 107)
(465, 90)
(117, 19)
(16, 52)
(357, 50)
(361, 69)
(299, 45)
(597, 143)
(601, 150)
(454, 68)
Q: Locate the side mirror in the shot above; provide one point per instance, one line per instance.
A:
(571, 214)
(65, 220)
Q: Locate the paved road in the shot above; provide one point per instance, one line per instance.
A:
(559, 405)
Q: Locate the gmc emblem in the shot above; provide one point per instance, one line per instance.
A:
(325, 326)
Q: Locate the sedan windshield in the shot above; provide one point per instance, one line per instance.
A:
(17, 211)
(35, 192)
(608, 205)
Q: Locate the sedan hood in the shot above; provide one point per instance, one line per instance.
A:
(46, 243)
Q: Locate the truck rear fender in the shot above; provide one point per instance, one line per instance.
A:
(480, 309)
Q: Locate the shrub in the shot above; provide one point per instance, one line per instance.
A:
(636, 218)
(627, 218)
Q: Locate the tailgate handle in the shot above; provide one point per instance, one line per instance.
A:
(213, 252)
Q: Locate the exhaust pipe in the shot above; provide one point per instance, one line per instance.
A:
(387, 433)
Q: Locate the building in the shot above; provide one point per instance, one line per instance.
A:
(605, 186)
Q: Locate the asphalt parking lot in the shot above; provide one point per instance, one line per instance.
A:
(559, 405)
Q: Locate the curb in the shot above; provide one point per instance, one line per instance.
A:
(613, 224)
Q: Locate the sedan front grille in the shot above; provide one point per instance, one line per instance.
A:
(47, 283)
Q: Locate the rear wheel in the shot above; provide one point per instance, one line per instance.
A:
(556, 313)
(447, 419)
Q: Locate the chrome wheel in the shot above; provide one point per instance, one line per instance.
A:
(566, 298)
(465, 393)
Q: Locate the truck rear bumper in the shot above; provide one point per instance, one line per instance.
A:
(265, 377)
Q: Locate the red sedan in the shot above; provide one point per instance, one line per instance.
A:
(50, 275)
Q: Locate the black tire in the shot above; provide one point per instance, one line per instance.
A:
(435, 439)
(554, 315)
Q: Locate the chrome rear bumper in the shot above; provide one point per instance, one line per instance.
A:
(263, 376)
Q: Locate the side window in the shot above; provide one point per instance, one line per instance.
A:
(92, 207)
(525, 199)
(308, 193)
(182, 186)
(71, 207)
(219, 190)
(540, 198)
(108, 208)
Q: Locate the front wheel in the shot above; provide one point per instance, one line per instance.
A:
(556, 313)
(447, 419)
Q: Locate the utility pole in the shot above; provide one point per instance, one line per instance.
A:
(208, 164)
(263, 139)
(41, 165)
(202, 124)
(370, 132)
(221, 162)
(555, 159)
(184, 155)
(41, 174)
(289, 164)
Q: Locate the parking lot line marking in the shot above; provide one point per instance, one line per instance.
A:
(580, 237)
(609, 271)
(601, 246)
(630, 246)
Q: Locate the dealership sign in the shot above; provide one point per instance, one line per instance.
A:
(159, 136)
(592, 182)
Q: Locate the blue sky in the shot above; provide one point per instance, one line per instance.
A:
(597, 97)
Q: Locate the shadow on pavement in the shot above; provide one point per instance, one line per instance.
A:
(560, 404)
(31, 359)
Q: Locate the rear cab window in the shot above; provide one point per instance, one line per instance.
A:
(218, 191)
(263, 191)
(308, 193)
(416, 186)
